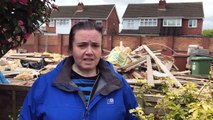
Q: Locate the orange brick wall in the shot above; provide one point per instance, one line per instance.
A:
(59, 44)
(155, 43)
(192, 31)
(130, 41)
(51, 29)
(210, 44)
(182, 43)
(113, 23)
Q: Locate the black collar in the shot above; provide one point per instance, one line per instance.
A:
(63, 80)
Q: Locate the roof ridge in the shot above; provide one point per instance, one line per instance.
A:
(166, 3)
(85, 5)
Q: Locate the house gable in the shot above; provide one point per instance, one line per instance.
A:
(162, 11)
(194, 9)
(99, 13)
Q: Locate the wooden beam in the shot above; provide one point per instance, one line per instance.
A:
(150, 78)
(137, 75)
(181, 72)
(162, 66)
(133, 64)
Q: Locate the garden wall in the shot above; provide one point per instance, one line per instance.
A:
(59, 43)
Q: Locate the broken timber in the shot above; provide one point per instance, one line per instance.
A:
(150, 78)
(162, 66)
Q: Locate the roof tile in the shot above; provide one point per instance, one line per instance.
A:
(90, 11)
(193, 9)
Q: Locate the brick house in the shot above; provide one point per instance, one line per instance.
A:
(178, 19)
(105, 15)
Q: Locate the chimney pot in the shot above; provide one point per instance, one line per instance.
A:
(162, 4)
(80, 7)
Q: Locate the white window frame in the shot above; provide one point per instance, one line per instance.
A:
(148, 22)
(130, 23)
(192, 23)
(62, 22)
(99, 22)
(51, 23)
(172, 22)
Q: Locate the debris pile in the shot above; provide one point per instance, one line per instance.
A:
(143, 65)
(151, 74)
(23, 68)
(138, 66)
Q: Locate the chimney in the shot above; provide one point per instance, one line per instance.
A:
(162, 5)
(80, 7)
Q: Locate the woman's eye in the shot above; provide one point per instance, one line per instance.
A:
(87, 45)
(95, 45)
(82, 46)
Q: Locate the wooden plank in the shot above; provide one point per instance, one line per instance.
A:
(181, 72)
(31, 59)
(152, 98)
(14, 104)
(162, 66)
(14, 87)
(168, 65)
(23, 54)
(137, 75)
(150, 78)
(13, 96)
(187, 81)
(136, 82)
(35, 55)
(16, 57)
(176, 68)
(134, 64)
(192, 78)
(8, 73)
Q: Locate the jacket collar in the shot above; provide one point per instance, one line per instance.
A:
(108, 82)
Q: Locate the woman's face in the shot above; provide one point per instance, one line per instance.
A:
(87, 50)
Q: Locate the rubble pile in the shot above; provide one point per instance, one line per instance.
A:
(138, 66)
(144, 66)
(150, 73)
(23, 68)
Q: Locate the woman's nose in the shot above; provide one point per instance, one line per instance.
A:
(89, 50)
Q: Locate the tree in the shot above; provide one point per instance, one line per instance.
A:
(207, 33)
(19, 19)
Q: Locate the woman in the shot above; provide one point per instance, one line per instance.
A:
(81, 87)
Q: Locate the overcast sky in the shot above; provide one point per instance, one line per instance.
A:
(122, 4)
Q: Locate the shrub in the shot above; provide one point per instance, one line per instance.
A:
(20, 18)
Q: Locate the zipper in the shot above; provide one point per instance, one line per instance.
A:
(87, 106)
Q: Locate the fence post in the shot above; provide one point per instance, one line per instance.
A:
(36, 39)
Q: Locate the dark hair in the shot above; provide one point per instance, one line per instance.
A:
(88, 25)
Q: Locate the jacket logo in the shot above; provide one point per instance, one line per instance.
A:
(110, 101)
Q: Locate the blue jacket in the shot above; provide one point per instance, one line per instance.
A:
(54, 96)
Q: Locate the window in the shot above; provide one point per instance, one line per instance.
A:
(148, 22)
(172, 22)
(99, 22)
(51, 23)
(130, 23)
(63, 22)
(79, 20)
(192, 23)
